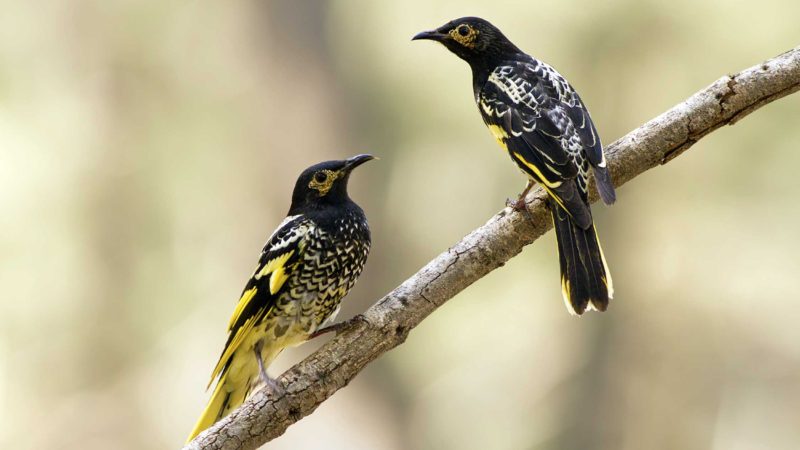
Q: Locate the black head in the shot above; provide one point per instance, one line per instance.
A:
(324, 184)
(473, 39)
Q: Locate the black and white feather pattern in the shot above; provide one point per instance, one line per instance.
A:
(546, 129)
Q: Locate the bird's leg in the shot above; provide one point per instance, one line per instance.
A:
(520, 204)
(262, 371)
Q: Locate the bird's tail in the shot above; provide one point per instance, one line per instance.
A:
(228, 394)
(585, 279)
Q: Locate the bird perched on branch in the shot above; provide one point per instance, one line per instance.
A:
(307, 265)
(539, 119)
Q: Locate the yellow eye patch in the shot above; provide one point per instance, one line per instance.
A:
(322, 181)
(464, 35)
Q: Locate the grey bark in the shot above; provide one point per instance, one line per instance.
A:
(386, 324)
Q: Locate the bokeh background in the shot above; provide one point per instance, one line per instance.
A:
(149, 147)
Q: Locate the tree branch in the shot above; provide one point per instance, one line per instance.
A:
(387, 323)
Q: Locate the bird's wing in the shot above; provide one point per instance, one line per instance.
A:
(570, 102)
(530, 108)
(583, 140)
(280, 256)
(566, 99)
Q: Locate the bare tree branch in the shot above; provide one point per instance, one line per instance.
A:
(387, 323)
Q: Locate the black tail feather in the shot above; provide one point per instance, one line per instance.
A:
(602, 179)
(585, 280)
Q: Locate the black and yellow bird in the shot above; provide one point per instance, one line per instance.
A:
(307, 265)
(539, 119)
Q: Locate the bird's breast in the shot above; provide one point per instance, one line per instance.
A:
(331, 263)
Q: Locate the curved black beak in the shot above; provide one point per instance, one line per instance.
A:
(355, 161)
(432, 35)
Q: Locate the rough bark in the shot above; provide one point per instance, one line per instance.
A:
(387, 323)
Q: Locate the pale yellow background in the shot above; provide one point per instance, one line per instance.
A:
(147, 148)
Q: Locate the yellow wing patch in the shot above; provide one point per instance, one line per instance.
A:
(277, 279)
(243, 302)
(499, 134)
(545, 181)
(275, 268)
(241, 333)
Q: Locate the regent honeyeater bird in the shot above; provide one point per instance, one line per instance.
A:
(307, 265)
(538, 118)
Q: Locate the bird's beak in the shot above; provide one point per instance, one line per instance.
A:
(432, 35)
(355, 161)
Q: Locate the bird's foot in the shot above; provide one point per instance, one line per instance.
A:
(520, 205)
(517, 205)
(335, 328)
(272, 384)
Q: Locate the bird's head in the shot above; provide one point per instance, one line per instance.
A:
(324, 184)
(473, 39)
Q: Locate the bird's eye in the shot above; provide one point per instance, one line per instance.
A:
(320, 177)
(463, 30)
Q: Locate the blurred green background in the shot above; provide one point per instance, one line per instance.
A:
(149, 147)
